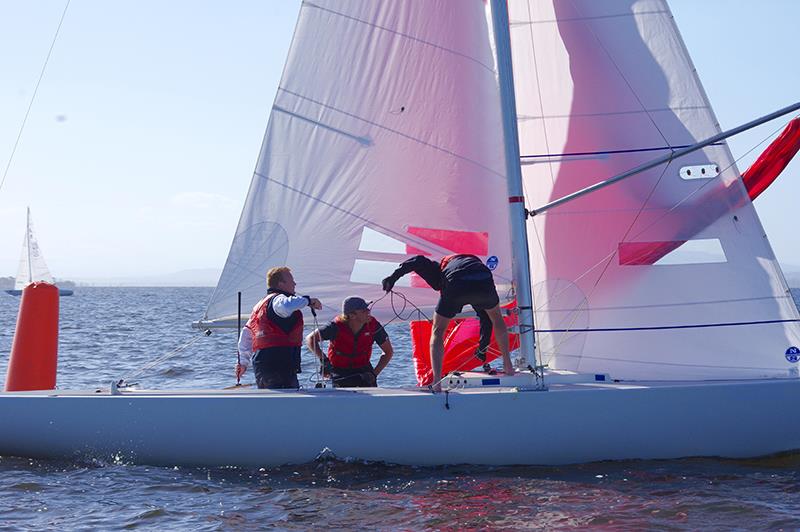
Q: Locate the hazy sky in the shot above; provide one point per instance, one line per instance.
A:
(141, 142)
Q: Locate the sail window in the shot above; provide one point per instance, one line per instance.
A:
(373, 272)
(702, 171)
(703, 251)
(672, 252)
(372, 240)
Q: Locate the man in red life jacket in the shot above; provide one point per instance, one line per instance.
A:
(461, 280)
(276, 329)
(350, 337)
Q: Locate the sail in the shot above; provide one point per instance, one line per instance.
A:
(602, 87)
(384, 141)
(31, 262)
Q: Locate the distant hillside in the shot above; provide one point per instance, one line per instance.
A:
(195, 277)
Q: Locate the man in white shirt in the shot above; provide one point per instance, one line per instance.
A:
(276, 330)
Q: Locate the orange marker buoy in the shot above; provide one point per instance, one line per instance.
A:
(34, 353)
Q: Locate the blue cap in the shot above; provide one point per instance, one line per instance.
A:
(353, 303)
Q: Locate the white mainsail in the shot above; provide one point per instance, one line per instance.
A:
(31, 262)
(667, 275)
(384, 141)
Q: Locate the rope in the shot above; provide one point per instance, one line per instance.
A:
(420, 314)
(33, 96)
(153, 363)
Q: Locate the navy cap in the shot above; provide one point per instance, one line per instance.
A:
(353, 303)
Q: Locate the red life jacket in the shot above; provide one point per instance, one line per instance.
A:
(348, 350)
(266, 333)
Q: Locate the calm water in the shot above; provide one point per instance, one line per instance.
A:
(109, 333)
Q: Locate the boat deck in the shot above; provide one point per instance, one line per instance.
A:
(467, 383)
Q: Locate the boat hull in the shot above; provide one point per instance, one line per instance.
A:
(61, 292)
(503, 426)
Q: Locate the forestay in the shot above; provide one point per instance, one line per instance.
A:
(667, 275)
(384, 141)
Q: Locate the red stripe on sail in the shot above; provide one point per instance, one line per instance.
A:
(645, 253)
(468, 242)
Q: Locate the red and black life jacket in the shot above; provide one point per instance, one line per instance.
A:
(350, 350)
(267, 329)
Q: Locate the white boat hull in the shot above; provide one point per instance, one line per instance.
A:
(570, 423)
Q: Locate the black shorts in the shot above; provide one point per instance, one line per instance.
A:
(481, 295)
(363, 377)
(277, 367)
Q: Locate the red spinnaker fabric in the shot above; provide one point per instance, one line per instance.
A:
(460, 342)
(771, 163)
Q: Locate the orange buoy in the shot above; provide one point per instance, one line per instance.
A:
(34, 352)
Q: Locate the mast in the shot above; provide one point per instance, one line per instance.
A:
(519, 235)
(28, 245)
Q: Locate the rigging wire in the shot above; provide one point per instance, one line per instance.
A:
(33, 96)
(607, 258)
(158, 360)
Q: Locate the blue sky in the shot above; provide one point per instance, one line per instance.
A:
(140, 145)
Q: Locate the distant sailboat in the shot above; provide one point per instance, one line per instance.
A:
(32, 267)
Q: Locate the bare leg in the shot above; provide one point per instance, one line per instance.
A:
(501, 336)
(440, 324)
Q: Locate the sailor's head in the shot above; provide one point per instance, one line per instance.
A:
(281, 278)
(354, 307)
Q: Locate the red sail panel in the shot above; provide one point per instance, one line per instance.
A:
(771, 163)
(645, 253)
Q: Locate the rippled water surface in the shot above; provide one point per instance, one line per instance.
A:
(109, 333)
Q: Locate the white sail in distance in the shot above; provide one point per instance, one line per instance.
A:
(667, 275)
(32, 267)
(384, 141)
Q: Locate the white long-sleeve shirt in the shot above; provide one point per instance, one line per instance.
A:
(245, 347)
(284, 305)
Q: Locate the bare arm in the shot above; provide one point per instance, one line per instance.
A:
(312, 341)
(386, 347)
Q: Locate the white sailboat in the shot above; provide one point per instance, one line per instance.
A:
(32, 266)
(660, 311)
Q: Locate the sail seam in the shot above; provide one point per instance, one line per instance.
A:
(399, 34)
(670, 305)
(383, 127)
(643, 110)
(578, 19)
(610, 152)
(662, 363)
(667, 327)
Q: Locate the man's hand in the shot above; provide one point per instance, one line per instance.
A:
(388, 283)
(240, 370)
(314, 303)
